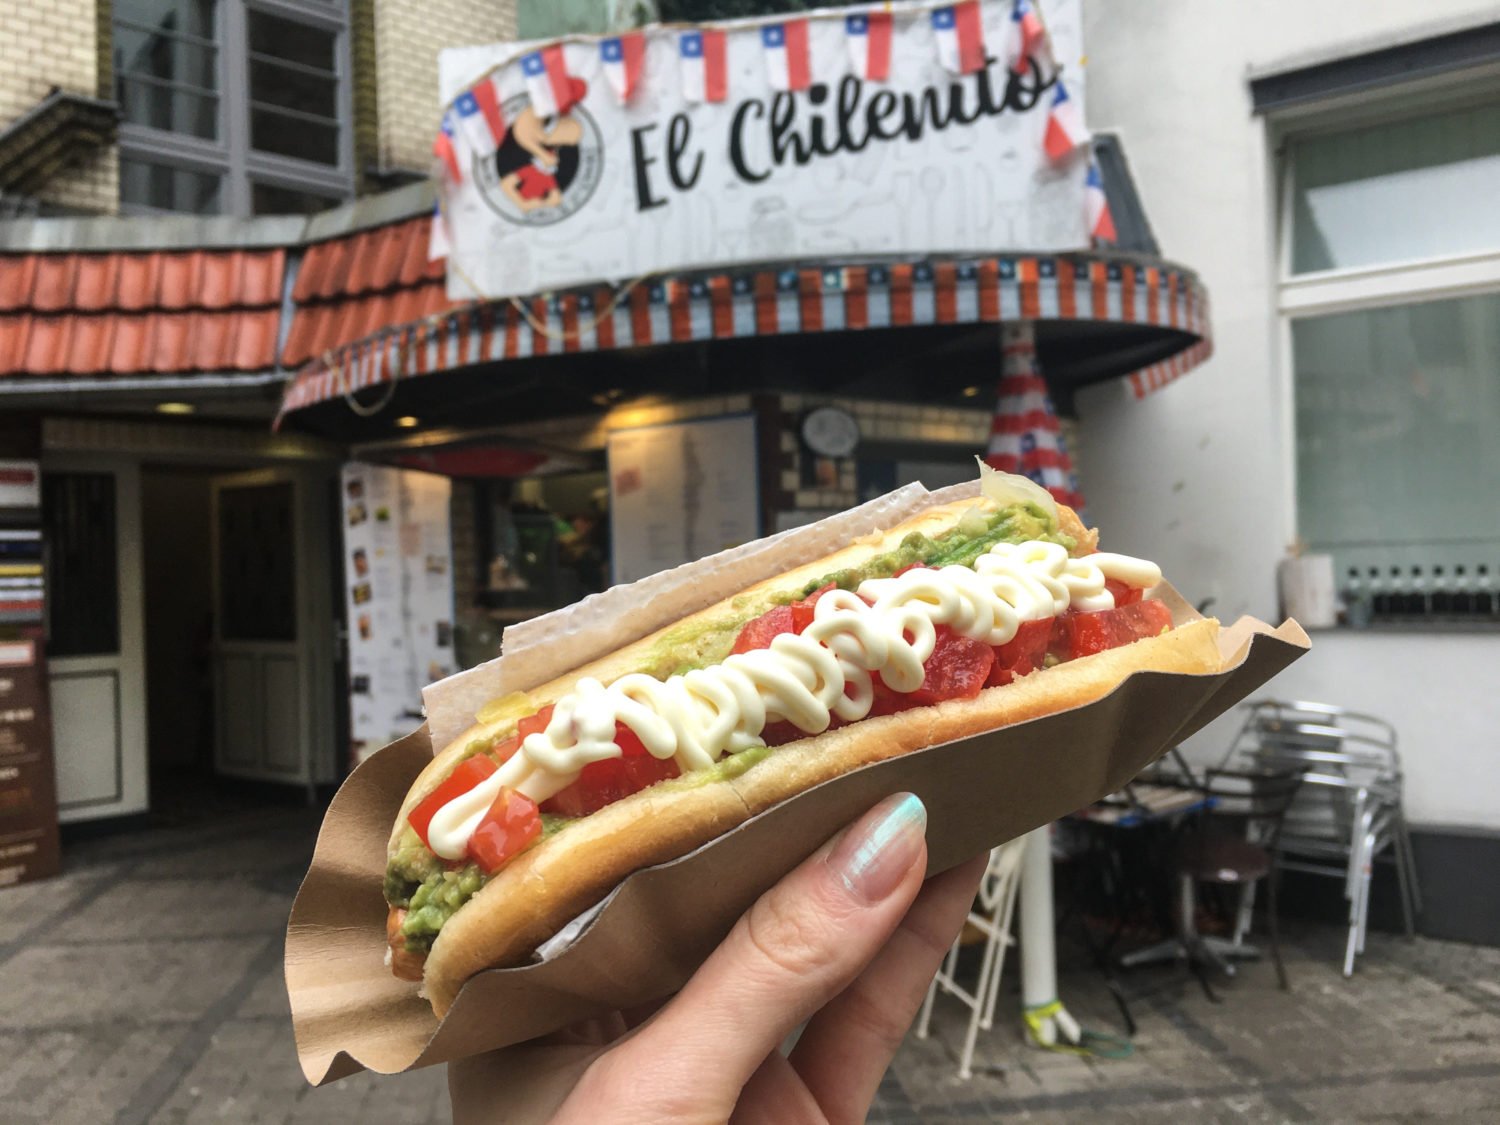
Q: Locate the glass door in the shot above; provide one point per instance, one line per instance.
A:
(273, 632)
(95, 647)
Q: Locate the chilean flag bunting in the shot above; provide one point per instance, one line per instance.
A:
(703, 71)
(547, 82)
(959, 36)
(446, 151)
(1101, 222)
(1065, 128)
(482, 124)
(438, 242)
(1029, 38)
(785, 44)
(622, 56)
(869, 38)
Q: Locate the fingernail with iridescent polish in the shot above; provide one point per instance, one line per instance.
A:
(878, 850)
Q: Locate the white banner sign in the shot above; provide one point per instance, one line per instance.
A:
(754, 141)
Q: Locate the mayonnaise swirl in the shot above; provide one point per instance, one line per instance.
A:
(805, 679)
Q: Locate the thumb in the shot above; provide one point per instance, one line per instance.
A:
(801, 943)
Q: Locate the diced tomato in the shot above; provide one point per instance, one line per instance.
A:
(536, 723)
(1124, 594)
(957, 669)
(760, 632)
(780, 733)
(1023, 653)
(469, 773)
(629, 742)
(802, 612)
(1083, 634)
(512, 823)
(910, 566)
(502, 751)
(603, 783)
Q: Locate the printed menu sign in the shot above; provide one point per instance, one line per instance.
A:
(398, 580)
(28, 791)
(680, 491)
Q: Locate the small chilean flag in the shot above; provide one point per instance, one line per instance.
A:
(438, 242)
(703, 70)
(547, 81)
(960, 37)
(1065, 128)
(1101, 222)
(445, 150)
(622, 56)
(479, 118)
(786, 55)
(1030, 37)
(869, 38)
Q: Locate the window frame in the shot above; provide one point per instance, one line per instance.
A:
(1365, 287)
(1353, 289)
(231, 156)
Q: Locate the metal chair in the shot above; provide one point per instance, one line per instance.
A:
(994, 909)
(1349, 812)
(1235, 842)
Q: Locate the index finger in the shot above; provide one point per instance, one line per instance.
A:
(796, 948)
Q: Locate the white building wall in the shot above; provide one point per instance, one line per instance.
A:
(1199, 475)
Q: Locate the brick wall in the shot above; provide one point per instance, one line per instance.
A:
(50, 43)
(408, 36)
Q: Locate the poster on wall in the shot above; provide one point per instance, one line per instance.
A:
(29, 847)
(876, 130)
(680, 491)
(398, 582)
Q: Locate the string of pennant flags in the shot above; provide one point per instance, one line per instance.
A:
(764, 301)
(476, 120)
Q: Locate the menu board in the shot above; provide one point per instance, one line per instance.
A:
(681, 491)
(398, 581)
(28, 788)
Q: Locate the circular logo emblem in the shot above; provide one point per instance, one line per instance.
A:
(545, 169)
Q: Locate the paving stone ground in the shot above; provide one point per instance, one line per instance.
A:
(145, 985)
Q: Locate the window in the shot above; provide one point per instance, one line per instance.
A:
(83, 597)
(1390, 289)
(1399, 191)
(233, 106)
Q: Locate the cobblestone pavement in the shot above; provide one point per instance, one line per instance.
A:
(145, 985)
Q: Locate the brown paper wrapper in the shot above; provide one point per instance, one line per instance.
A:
(659, 925)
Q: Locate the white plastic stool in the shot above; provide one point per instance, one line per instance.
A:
(992, 917)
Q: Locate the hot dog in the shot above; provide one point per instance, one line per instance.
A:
(963, 618)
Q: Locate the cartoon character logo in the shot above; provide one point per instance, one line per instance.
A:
(546, 168)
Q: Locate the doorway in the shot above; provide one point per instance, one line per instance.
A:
(238, 650)
(177, 593)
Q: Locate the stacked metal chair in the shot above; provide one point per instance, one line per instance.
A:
(1349, 812)
(991, 916)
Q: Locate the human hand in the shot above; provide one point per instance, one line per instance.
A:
(848, 942)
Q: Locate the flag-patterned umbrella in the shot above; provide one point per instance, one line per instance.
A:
(1025, 436)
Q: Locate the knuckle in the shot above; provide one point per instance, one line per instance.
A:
(636, 1090)
(874, 1018)
(790, 938)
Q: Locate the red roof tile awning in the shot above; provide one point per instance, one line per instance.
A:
(352, 287)
(209, 311)
(140, 313)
